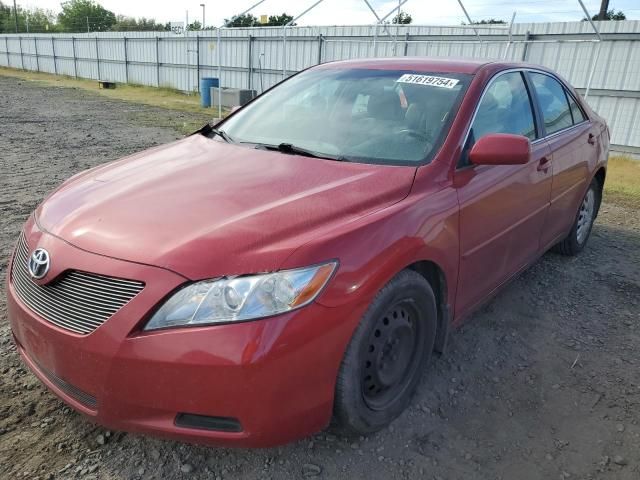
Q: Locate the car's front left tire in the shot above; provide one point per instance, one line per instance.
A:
(386, 356)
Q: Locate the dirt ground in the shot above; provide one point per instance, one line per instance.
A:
(542, 383)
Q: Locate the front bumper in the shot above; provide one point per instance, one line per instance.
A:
(275, 376)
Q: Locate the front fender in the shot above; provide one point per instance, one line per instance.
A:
(373, 249)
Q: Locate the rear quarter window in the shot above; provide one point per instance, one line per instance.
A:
(576, 112)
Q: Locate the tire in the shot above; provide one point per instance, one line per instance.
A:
(386, 356)
(583, 223)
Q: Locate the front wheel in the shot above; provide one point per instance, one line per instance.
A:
(581, 229)
(386, 356)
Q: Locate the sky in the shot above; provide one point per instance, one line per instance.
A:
(355, 12)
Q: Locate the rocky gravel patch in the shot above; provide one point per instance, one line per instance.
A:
(541, 383)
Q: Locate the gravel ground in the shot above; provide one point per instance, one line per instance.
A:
(542, 383)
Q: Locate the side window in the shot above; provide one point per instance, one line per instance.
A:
(505, 108)
(576, 112)
(553, 103)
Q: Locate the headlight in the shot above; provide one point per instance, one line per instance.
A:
(242, 298)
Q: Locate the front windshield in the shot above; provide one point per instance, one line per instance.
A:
(364, 115)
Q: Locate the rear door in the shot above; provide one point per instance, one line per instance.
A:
(502, 207)
(573, 142)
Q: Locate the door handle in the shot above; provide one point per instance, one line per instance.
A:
(544, 164)
(592, 139)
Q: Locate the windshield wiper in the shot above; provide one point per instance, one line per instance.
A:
(292, 149)
(222, 134)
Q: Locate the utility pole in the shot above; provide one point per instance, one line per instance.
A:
(203, 24)
(88, 30)
(604, 8)
(26, 19)
(15, 14)
(187, 21)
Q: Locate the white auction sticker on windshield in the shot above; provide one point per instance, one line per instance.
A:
(442, 82)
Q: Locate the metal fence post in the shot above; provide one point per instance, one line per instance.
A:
(35, 46)
(6, 46)
(198, 62)
(592, 71)
(158, 61)
(53, 52)
(375, 41)
(508, 45)
(75, 61)
(250, 63)
(126, 62)
(319, 49)
(527, 36)
(219, 54)
(284, 52)
(21, 53)
(406, 43)
(98, 59)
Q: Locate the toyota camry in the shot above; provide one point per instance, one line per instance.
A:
(301, 261)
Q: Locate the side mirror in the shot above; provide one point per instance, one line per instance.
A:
(501, 149)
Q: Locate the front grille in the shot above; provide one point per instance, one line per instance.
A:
(77, 301)
(74, 392)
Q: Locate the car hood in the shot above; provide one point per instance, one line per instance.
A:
(204, 208)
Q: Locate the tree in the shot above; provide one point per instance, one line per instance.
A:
(196, 25)
(40, 20)
(83, 15)
(275, 20)
(7, 24)
(249, 20)
(611, 15)
(150, 25)
(34, 20)
(129, 24)
(402, 18)
(246, 20)
(488, 21)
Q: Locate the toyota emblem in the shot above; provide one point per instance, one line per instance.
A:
(39, 263)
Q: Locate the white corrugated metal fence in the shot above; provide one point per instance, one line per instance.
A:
(258, 58)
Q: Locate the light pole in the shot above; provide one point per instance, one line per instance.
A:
(15, 14)
(203, 24)
(604, 7)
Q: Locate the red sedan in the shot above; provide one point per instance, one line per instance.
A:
(303, 259)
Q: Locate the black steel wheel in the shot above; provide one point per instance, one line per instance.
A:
(387, 355)
(393, 354)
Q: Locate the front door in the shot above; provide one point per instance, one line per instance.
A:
(502, 207)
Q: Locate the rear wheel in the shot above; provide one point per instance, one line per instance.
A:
(387, 355)
(581, 229)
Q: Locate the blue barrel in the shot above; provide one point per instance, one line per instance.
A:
(205, 90)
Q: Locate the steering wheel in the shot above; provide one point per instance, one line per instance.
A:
(415, 133)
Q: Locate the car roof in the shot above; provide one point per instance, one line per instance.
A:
(428, 64)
